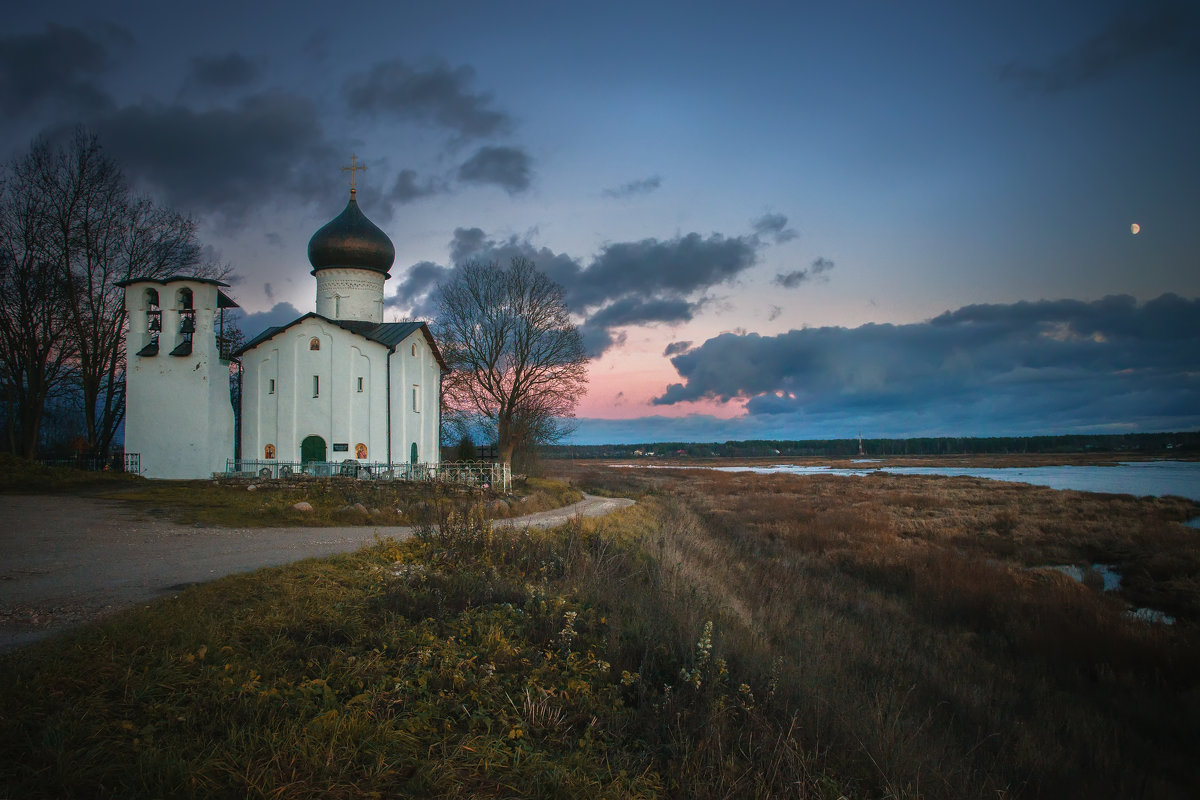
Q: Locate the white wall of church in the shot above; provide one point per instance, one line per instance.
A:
(415, 370)
(178, 413)
(339, 393)
(345, 293)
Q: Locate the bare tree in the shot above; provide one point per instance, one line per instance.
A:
(517, 359)
(35, 351)
(101, 234)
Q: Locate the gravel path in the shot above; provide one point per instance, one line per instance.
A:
(67, 560)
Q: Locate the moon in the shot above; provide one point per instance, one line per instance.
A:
(1135, 229)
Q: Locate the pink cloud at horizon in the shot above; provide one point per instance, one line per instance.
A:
(623, 387)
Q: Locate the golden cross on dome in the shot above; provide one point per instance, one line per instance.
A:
(353, 168)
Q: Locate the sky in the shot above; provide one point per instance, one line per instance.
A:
(770, 220)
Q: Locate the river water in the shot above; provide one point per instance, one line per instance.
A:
(1157, 478)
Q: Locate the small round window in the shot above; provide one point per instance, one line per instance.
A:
(314, 343)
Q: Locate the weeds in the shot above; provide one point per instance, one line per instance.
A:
(907, 631)
(728, 637)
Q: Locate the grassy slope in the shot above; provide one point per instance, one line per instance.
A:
(464, 663)
(732, 636)
(918, 644)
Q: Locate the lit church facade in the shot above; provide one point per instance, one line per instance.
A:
(336, 385)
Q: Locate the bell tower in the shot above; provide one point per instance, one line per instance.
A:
(178, 412)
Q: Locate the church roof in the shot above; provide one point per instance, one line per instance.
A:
(351, 240)
(388, 334)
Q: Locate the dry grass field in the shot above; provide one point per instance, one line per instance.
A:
(730, 636)
(918, 643)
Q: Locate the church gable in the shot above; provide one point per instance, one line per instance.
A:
(388, 334)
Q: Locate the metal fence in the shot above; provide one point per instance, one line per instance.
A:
(467, 473)
(117, 462)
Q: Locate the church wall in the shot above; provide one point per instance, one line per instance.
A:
(408, 426)
(179, 417)
(339, 413)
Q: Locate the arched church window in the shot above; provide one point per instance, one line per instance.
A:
(314, 343)
(185, 299)
(414, 349)
(269, 451)
(360, 450)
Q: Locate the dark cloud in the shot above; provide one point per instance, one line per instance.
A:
(597, 330)
(773, 312)
(57, 67)
(597, 340)
(647, 282)
(221, 73)
(415, 292)
(254, 324)
(671, 267)
(650, 281)
(510, 168)
(408, 189)
(636, 311)
(438, 94)
(774, 227)
(816, 271)
(1168, 31)
(274, 136)
(268, 291)
(1058, 364)
(642, 186)
(468, 243)
(675, 348)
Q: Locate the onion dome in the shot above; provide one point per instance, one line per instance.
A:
(351, 240)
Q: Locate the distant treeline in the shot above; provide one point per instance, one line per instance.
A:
(1146, 443)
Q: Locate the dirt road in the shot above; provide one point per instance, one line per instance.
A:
(67, 560)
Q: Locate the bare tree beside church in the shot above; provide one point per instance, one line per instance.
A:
(517, 359)
(95, 232)
(35, 351)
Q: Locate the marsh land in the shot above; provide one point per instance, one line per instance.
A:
(731, 635)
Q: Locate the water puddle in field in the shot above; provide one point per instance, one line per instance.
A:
(1150, 615)
(1193, 523)
(1107, 572)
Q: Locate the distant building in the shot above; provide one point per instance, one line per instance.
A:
(332, 385)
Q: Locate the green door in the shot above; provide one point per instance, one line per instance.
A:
(312, 449)
(412, 454)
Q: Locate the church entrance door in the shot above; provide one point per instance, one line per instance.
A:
(312, 449)
(412, 454)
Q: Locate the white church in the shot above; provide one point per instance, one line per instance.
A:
(337, 385)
